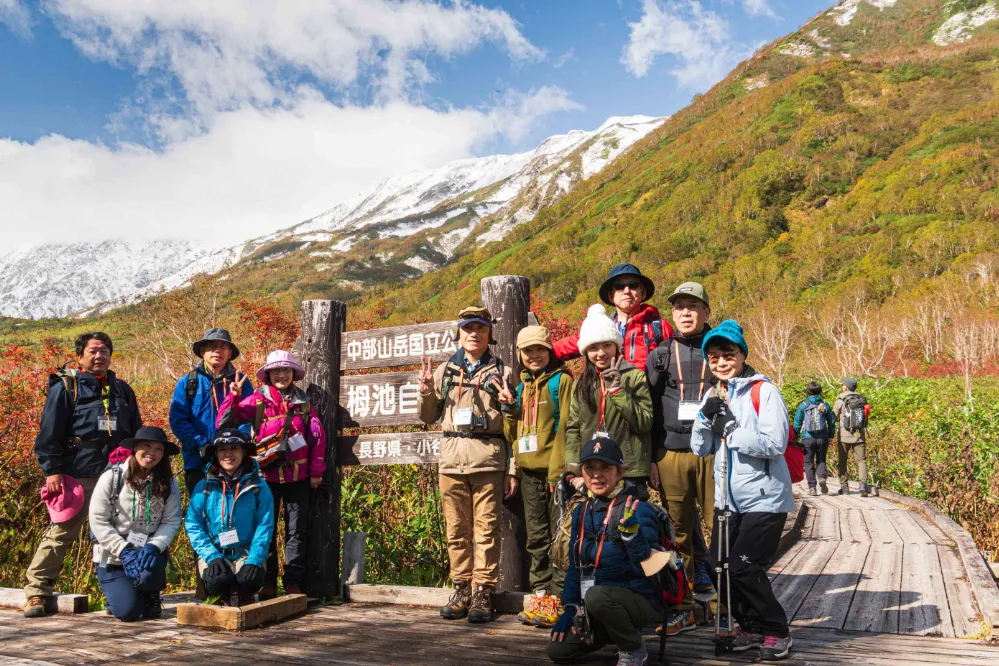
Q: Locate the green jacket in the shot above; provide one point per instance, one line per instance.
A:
(627, 418)
(550, 455)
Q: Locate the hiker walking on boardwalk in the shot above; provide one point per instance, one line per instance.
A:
(469, 394)
(743, 422)
(134, 515)
(87, 414)
(291, 452)
(815, 420)
(230, 519)
(851, 410)
(641, 326)
(195, 405)
(607, 596)
(536, 427)
(679, 378)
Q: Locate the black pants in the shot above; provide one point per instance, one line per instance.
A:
(296, 530)
(191, 478)
(815, 459)
(753, 542)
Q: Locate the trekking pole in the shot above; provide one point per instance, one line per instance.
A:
(723, 643)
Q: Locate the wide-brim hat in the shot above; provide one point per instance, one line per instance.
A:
(65, 504)
(622, 270)
(151, 434)
(215, 335)
(280, 359)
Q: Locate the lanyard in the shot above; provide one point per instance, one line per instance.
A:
(461, 384)
(225, 487)
(603, 404)
(106, 400)
(225, 391)
(603, 534)
(149, 485)
(679, 372)
(535, 407)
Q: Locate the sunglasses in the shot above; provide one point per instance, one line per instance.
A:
(630, 284)
(229, 442)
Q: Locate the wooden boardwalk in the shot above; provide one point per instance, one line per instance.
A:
(872, 565)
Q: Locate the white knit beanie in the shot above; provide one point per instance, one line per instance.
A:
(598, 327)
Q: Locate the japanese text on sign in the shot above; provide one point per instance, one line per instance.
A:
(382, 399)
(398, 448)
(401, 346)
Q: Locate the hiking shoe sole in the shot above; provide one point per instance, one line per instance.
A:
(448, 615)
(479, 618)
(35, 612)
(771, 654)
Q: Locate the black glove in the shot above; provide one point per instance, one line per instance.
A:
(564, 622)
(251, 577)
(722, 423)
(712, 406)
(216, 569)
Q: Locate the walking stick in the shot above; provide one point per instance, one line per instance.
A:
(723, 644)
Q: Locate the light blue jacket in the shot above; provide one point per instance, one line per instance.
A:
(757, 478)
(217, 507)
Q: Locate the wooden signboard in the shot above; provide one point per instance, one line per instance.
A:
(398, 448)
(398, 345)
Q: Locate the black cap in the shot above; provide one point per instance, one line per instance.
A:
(230, 436)
(604, 449)
(215, 335)
(151, 434)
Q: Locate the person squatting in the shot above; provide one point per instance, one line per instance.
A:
(673, 409)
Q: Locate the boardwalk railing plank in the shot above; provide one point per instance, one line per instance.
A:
(964, 611)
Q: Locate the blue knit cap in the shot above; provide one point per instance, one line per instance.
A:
(728, 330)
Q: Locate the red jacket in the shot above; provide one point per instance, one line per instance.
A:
(645, 330)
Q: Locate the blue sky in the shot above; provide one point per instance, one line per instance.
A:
(129, 107)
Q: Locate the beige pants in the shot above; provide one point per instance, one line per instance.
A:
(472, 505)
(688, 480)
(235, 565)
(47, 562)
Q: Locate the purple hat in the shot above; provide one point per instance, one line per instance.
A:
(65, 504)
(280, 359)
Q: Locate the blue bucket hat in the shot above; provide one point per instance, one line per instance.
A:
(619, 271)
(727, 330)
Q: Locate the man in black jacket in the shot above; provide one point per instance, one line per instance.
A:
(679, 378)
(86, 415)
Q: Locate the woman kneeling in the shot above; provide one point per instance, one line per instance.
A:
(135, 515)
(230, 520)
(607, 597)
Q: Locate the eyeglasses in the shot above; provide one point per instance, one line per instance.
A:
(680, 306)
(630, 284)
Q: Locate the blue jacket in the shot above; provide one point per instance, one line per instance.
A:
(620, 559)
(757, 478)
(799, 419)
(193, 423)
(215, 508)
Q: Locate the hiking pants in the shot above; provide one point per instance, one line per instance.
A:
(126, 598)
(51, 552)
(616, 615)
(815, 459)
(472, 505)
(753, 542)
(191, 478)
(541, 518)
(296, 532)
(688, 480)
(860, 455)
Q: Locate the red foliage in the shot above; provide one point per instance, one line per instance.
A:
(269, 328)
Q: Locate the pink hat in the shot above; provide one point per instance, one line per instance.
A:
(280, 359)
(65, 504)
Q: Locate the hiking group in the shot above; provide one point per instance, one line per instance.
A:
(677, 411)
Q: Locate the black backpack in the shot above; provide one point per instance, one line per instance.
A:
(854, 413)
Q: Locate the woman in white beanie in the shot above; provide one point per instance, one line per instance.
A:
(610, 399)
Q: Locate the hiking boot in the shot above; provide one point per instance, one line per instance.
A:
(678, 621)
(702, 578)
(267, 592)
(35, 607)
(863, 490)
(745, 640)
(823, 487)
(481, 608)
(291, 589)
(775, 649)
(457, 605)
(811, 492)
(154, 606)
(634, 658)
(546, 611)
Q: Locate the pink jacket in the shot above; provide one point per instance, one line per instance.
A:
(275, 410)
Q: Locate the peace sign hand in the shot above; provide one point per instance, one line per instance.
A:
(612, 374)
(426, 375)
(504, 395)
(237, 383)
(629, 519)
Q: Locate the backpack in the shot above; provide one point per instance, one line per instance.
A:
(558, 553)
(794, 454)
(117, 483)
(814, 421)
(553, 386)
(191, 388)
(855, 413)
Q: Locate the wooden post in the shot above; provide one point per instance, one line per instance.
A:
(323, 323)
(508, 298)
(354, 544)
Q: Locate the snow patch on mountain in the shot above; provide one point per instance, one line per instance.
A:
(844, 12)
(958, 28)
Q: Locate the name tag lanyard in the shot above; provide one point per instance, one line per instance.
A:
(679, 372)
(225, 487)
(106, 400)
(461, 385)
(530, 425)
(225, 391)
(603, 405)
(603, 535)
(149, 485)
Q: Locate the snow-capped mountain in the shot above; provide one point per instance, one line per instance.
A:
(467, 201)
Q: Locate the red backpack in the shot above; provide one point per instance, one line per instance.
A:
(794, 454)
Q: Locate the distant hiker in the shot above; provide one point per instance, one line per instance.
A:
(87, 414)
(745, 416)
(291, 451)
(610, 399)
(815, 420)
(607, 597)
(469, 395)
(230, 520)
(536, 427)
(851, 410)
(135, 515)
(641, 326)
(196, 401)
(679, 378)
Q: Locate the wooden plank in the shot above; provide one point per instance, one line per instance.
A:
(400, 448)
(908, 527)
(793, 584)
(67, 604)
(853, 527)
(405, 595)
(923, 600)
(382, 399)
(933, 530)
(354, 545)
(826, 525)
(964, 613)
(208, 616)
(230, 618)
(881, 528)
(785, 560)
(875, 602)
(828, 602)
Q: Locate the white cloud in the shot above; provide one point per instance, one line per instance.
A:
(699, 39)
(16, 16)
(758, 8)
(560, 61)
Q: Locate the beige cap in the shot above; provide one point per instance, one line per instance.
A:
(534, 335)
(692, 289)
